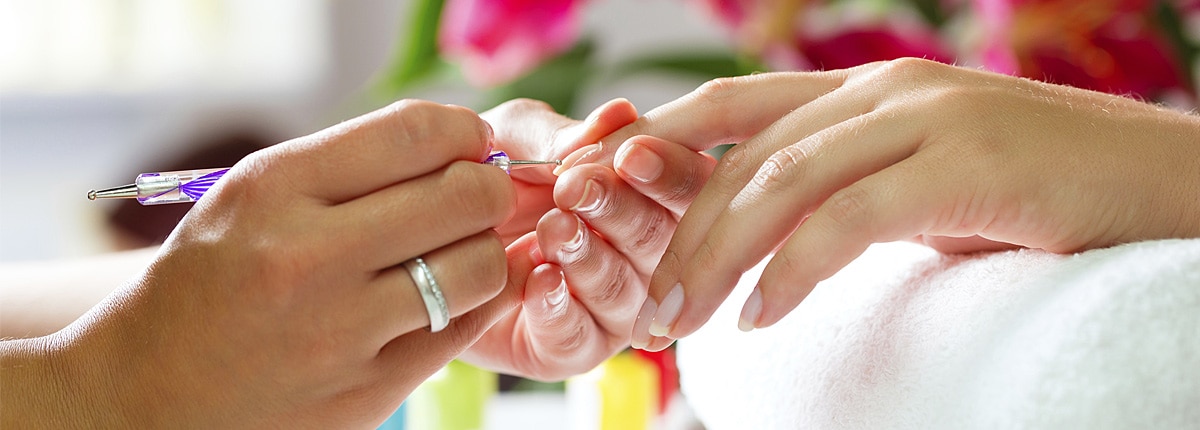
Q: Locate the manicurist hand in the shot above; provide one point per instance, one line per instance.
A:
(281, 298)
(964, 160)
(596, 247)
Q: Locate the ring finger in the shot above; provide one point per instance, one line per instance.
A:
(468, 273)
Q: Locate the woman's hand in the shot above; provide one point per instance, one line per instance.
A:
(831, 162)
(597, 239)
(279, 299)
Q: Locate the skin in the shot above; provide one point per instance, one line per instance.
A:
(960, 159)
(594, 265)
(279, 299)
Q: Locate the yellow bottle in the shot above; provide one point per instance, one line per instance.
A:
(620, 394)
(454, 398)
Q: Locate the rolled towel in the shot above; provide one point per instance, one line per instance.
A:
(907, 338)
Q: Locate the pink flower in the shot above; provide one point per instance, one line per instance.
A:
(853, 47)
(807, 34)
(1104, 45)
(497, 41)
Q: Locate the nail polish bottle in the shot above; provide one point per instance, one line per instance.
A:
(454, 398)
(620, 394)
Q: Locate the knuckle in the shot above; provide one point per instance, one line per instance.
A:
(412, 120)
(651, 238)
(908, 68)
(781, 169)
(849, 207)
(573, 340)
(737, 162)
(473, 189)
(718, 90)
(608, 291)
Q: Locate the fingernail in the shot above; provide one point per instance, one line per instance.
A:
(667, 311)
(641, 326)
(590, 200)
(575, 242)
(491, 135)
(640, 163)
(580, 155)
(555, 297)
(750, 311)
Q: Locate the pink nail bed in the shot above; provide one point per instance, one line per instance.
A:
(667, 311)
(640, 338)
(751, 311)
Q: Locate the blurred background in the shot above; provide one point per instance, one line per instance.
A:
(93, 92)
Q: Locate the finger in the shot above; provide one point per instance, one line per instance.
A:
(786, 189)
(422, 353)
(468, 272)
(556, 325)
(635, 226)
(600, 278)
(901, 201)
(531, 130)
(804, 129)
(964, 245)
(668, 173)
(404, 140)
(459, 200)
(724, 110)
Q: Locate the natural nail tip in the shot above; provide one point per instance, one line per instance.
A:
(668, 311)
(659, 330)
(751, 311)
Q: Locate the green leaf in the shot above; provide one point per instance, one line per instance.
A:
(1175, 29)
(416, 57)
(704, 65)
(557, 81)
(931, 10)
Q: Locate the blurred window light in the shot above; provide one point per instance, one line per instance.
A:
(141, 46)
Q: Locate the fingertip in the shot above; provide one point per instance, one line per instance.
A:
(616, 113)
(559, 233)
(748, 320)
(546, 291)
(638, 162)
(659, 344)
(582, 155)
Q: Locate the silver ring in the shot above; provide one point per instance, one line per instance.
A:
(431, 294)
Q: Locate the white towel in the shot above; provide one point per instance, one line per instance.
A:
(907, 338)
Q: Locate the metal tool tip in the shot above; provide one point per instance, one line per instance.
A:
(557, 162)
(91, 194)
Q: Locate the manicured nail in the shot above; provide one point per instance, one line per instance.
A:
(575, 242)
(556, 296)
(580, 155)
(750, 311)
(640, 338)
(667, 311)
(640, 163)
(590, 200)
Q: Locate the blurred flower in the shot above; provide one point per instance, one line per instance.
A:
(806, 34)
(1105, 45)
(497, 41)
(855, 46)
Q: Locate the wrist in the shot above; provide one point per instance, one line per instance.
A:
(44, 386)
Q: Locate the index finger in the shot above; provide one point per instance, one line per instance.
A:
(404, 140)
(724, 110)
